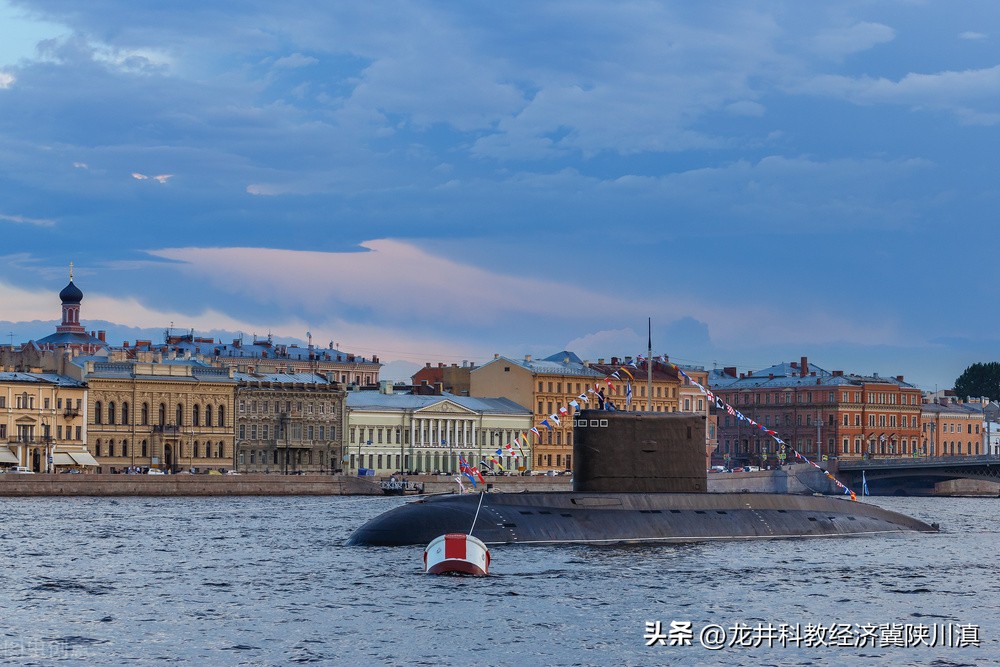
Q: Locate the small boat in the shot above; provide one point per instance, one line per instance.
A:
(393, 487)
(457, 553)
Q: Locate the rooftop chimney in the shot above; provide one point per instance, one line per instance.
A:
(805, 366)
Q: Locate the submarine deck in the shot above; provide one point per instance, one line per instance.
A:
(615, 518)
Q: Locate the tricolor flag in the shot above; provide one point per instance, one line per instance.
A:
(625, 371)
(562, 410)
(534, 429)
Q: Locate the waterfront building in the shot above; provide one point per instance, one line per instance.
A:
(390, 431)
(260, 356)
(289, 423)
(820, 413)
(693, 399)
(43, 422)
(546, 387)
(453, 378)
(950, 427)
(174, 415)
(70, 335)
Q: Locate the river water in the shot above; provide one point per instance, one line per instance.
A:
(268, 581)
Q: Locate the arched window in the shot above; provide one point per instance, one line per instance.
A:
(145, 448)
(222, 415)
(111, 412)
(195, 449)
(208, 415)
(97, 447)
(180, 414)
(125, 413)
(163, 414)
(111, 447)
(220, 450)
(98, 413)
(145, 415)
(196, 415)
(124, 447)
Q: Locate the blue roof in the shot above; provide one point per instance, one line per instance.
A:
(40, 378)
(297, 378)
(261, 350)
(785, 376)
(200, 372)
(550, 367)
(71, 338)
(374, 400)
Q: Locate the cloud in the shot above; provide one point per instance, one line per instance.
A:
(295, 61)
(20, 219)
(973, 36)
(404, 281)
(161, 178)
(6, 80)
(840, 42)
(955, 91)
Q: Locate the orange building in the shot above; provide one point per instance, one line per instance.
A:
(818, 412)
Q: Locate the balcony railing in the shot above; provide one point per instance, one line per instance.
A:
(167, 429)
(71, 412)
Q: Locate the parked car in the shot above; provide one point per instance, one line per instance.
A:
(20, 470)
(155, 471)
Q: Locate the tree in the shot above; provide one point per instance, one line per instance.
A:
(979, 380)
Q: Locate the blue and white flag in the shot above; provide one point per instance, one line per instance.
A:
(628, 394)
(864, 484)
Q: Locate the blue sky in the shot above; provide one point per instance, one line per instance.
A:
(442, 181)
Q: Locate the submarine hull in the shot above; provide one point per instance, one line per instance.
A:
(628, 518)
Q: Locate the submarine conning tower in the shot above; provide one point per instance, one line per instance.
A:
(639, 452)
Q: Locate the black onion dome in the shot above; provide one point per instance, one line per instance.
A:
(71, 294)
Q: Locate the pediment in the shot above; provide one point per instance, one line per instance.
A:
(446, 406)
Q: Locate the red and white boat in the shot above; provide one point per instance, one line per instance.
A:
(457, 553)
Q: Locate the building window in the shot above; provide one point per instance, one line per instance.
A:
(208, 415)
(195, 415)
(125, 413)
(98, 413)
(222, 416)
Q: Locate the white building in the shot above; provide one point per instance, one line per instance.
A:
(389, 432)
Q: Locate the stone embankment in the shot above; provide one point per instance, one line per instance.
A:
(245, 485)
(795, 479)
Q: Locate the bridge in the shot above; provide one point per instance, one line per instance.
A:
(904, 476)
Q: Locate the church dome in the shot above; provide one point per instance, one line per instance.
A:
(71, 294)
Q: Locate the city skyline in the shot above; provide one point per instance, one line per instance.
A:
(443, 183)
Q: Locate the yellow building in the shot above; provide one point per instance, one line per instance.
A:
(172, 415)
(547, 387)
(42, 422)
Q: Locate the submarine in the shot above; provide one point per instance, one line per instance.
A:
(638, 478)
